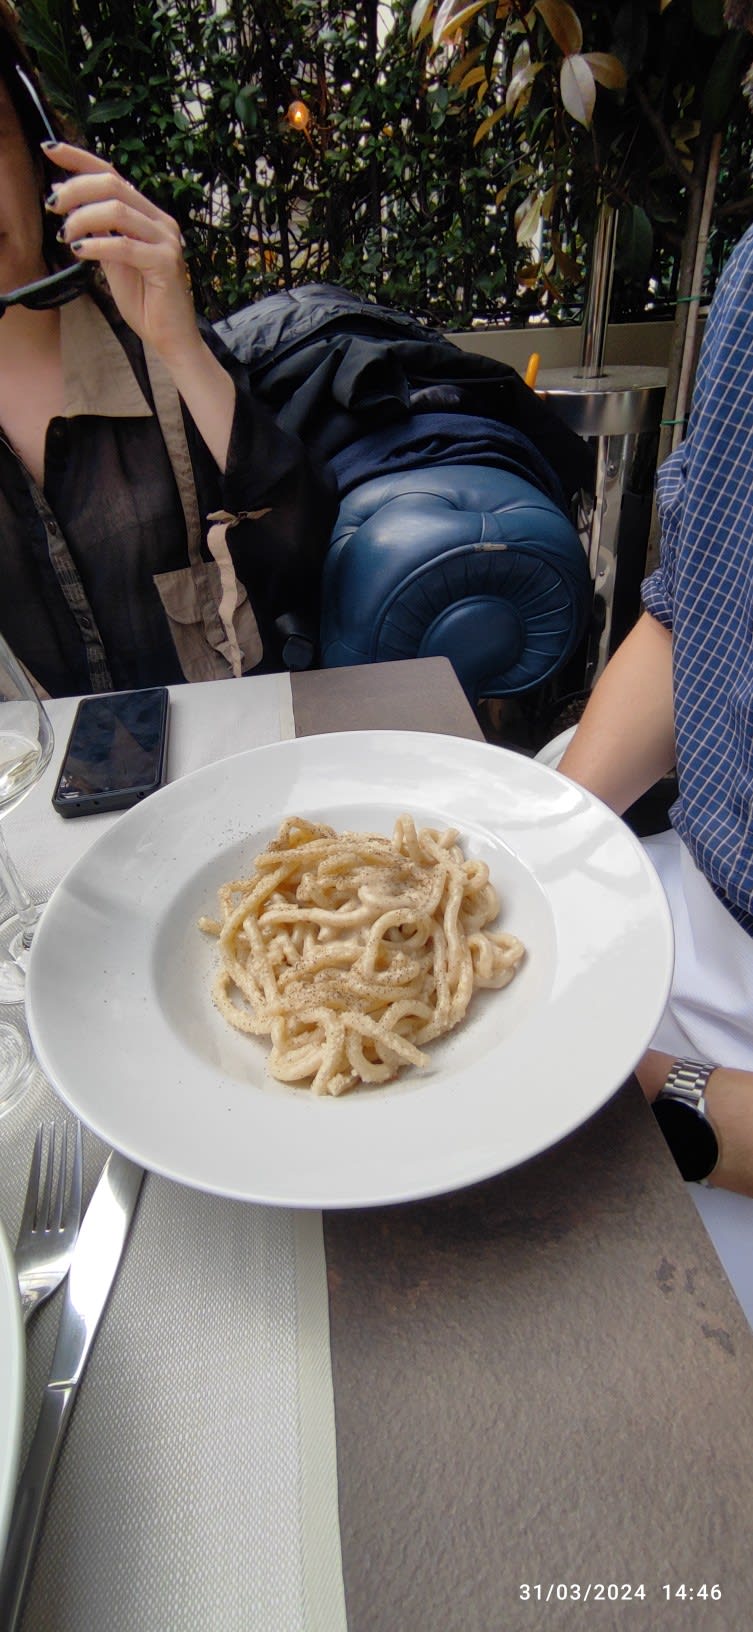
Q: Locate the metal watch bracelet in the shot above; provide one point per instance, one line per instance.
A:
(686, 1081)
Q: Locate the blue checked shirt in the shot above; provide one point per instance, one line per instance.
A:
(703, 591)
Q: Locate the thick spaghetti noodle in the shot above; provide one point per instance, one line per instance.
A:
(352, 951)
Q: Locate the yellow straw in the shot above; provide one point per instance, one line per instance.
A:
(532, 369)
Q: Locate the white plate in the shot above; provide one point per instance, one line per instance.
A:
(118, 991)
(12, 1374)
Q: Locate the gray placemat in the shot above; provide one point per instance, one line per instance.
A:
(544, 1382)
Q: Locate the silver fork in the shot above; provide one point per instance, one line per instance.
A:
(50, 1221)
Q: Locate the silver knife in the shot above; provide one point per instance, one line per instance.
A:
(93, 1269)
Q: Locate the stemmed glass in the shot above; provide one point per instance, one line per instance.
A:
(17, 930)
(26, 743)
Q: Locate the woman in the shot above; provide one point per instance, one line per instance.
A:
(155, 522)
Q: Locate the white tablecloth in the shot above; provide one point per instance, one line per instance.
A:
(197, 1487)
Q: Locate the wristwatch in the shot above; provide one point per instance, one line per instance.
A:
(680, 1110)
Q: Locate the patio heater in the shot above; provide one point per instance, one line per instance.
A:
(618, 410)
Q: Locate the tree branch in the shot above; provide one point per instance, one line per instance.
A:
(688, 178)
(737, 206)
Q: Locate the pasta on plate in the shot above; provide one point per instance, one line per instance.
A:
(352, 951)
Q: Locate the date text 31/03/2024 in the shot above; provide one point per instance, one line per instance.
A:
(545, 1592)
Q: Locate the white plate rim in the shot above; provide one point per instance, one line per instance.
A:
(326, 757)
(12, 1382)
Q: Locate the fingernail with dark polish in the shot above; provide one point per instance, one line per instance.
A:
(79, 244)
(60, 236)
(48, 143)
(51, 199)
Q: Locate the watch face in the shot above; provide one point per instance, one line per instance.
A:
(690, 1137)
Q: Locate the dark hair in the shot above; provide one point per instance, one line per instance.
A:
(14, 55)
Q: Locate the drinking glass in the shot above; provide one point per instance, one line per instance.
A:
(12, 972)
(26, 743)
(16, 931)
(16, 1065)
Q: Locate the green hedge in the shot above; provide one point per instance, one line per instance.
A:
(382, 189)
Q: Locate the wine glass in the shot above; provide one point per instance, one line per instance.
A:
(18, 929)
(12, 972)
(26, 743)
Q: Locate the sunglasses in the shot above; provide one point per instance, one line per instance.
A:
(59, 287)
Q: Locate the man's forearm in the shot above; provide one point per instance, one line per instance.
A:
(729, 1104)
(625, 741)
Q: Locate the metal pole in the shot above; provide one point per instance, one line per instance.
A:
(598, 300)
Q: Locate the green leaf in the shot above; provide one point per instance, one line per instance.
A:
(474, 76)
(453, 15)
(460, 68)
(723, 84)
(607, 69)
(520, 86)
(635, 243)
(563, 23)
(527, 218)
(630, 36)
(104, 112)
(578, 89)
(566, 264)
(420, 18)
(488, 124)
(708, 16)
(91, 61)
(245, 104)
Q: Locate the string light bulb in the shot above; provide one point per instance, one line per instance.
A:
(299, 116)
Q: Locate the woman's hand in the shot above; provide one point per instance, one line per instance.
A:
(108, 220)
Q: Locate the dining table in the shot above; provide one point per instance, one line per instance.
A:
(524, 1404)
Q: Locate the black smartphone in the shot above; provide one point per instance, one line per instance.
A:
(116, 752)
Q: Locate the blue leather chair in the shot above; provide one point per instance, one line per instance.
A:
(453, 535)
(471, 563)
